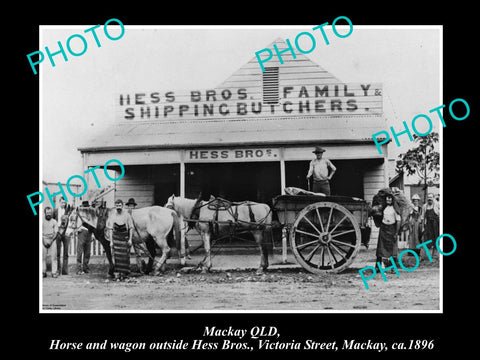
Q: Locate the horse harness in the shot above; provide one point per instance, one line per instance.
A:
(219, 204)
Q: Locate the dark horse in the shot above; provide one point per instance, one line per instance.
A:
(94, 219)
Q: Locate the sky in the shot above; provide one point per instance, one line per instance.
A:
(77, 97)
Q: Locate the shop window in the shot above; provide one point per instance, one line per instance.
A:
(270, 85)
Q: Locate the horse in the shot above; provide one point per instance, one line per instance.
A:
(94, 220)
(152, 225)
(218, 215)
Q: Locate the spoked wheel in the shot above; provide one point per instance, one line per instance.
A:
(325, 237)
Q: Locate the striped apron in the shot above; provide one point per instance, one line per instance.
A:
(121, 250)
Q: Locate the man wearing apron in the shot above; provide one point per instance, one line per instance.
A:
(120, 226)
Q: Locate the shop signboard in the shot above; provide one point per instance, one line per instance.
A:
(293, 100)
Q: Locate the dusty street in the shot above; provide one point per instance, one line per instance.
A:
(233, 285)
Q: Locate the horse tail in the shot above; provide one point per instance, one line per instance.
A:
(267, 232)
(176, 230)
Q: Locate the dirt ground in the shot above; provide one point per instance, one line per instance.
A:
(233, 285)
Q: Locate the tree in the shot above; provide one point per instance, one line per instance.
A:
(422, 160)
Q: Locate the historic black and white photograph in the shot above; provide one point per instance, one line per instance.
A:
(241, 168)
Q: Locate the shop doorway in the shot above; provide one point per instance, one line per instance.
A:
(166, 180)
(255, 181)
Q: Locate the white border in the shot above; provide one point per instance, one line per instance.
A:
(219, 27)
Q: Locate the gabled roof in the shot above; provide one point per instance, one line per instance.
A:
(301, 66)
(268, 128)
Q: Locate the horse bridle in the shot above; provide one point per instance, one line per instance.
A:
(80, 217)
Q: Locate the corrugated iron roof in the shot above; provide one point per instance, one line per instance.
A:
(180, 134)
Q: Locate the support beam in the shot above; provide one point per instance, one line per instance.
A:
(282, 189)
(182, 251)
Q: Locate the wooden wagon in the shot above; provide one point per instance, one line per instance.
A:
(325, 232)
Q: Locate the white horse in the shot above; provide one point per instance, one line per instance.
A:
(246, 216)
(152, 222)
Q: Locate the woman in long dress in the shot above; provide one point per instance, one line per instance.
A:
(415, 222)
(387, 245)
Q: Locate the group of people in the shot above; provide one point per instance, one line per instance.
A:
(423, 224)
(61, 225)
(59, 228)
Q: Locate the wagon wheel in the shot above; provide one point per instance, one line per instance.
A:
(325, 237)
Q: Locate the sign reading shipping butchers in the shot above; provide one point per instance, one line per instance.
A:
(294, 100)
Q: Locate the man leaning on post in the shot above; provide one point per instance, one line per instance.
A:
(61, 214)
(319, 169)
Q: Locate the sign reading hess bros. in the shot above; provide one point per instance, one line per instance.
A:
(294, 100)
(231, 155)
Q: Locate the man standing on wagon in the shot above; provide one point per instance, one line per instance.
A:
(120, 226)
(319, 168)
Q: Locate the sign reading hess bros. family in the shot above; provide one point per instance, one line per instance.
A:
(294, 100)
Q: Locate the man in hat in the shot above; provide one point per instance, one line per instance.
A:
(84, 241)
(61, 214)
(130, 204)
(319, 169)
(120, 229)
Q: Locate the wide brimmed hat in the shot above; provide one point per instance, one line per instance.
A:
(85, 203)
(131, 201)
(416, 197)
(318, 149)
